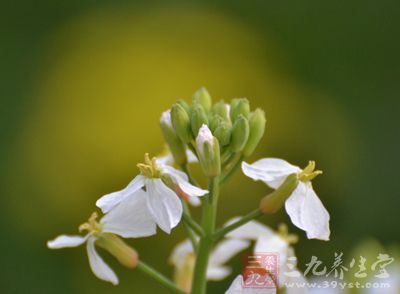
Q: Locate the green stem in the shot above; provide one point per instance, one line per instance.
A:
(231, 170)
(149, 271)
(192, 224)
(190, 232)
(208, 222)
(245, 219)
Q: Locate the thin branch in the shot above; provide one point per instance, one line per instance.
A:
(245, 219)
(151, 272)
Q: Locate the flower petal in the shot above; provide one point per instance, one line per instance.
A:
(109, 201)
(130, 219)
(272, 244)
(227, 249)
(182, 180)
(180, 252)
(191, 157)
(307, 212)
(218, 273)
(64, 241)
(237, 288)
(164, 204)
(99, 267)
(249, 231)
(272, 171)
(194, 201)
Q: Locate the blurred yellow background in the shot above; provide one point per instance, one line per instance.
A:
(84, 87)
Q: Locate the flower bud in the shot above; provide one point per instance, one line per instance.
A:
(240, 134)
(220, 109)
(175, 144)
(274, 201)
(198, 117)
(181, 122)
(203, 97)
(126, 255)
(257, 127)
(208, 152)
(223, 133)
(184, 105)
(215, 121)
(239, 107)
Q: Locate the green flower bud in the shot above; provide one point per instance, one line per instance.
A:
(215, 121)
(176, 146)
(274, 201)
(208, 152)
(239, 107)
(220, 109)
(184, 105)
(240, 134)
(181, 122)
(257, 127)
(198, 117)
(126, 255)
(223, 133)
(203, 97)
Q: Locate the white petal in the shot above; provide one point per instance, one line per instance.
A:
(195, 201)
(300, 280)
(272, 171)
(64, 241)
(109, 201)
(130, 219)
(190, 156)
(250, 231)
(181, 179)
(217, 273)
(167, 159)
(227, 249)
(99, 267)
(180, 253)
(237, 288)
(307, 212)
(272, 244)
(164, 204)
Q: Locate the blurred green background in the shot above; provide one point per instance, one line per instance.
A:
(83, 84)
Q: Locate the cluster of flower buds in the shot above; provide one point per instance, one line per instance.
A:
(214, 132)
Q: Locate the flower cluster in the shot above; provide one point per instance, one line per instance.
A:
(219, 137)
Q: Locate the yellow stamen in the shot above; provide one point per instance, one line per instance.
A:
(91, 226)
(149, 168)
(283, 232)
(309, 172)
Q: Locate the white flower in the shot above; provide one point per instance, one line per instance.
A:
(162, 202)
(305, 209)
(267, 241)
(129, 221)
(183, 257)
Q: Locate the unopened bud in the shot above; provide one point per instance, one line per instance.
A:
(181, 122)
(257, 127)
(125, 254)
(208, 152)
(239, 106)
(274, 201)
(203, 97)
(240, 134)
(184, 105)
(215, 121)
(223, 133)
(198, 117)
(221, 109)
(175, 144)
